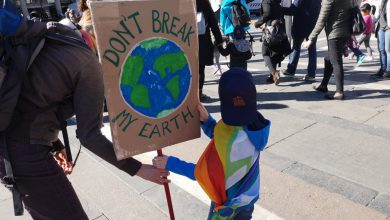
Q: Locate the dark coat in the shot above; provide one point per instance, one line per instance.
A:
(270, 11)
(336, 17)
(206, 47)
(305, 17)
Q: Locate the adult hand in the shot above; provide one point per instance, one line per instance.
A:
(308, 44)
(204, 114)
(160, 162)
(62, 160)
(150, 173)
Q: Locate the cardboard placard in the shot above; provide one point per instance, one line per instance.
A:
(149, 55)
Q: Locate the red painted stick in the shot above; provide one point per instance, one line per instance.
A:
(167, 193)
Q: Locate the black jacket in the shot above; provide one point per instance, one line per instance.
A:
(270, 11)
(206, 48)
(305, 17)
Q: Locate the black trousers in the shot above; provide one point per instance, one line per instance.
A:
(202, 68)
(334, 63)
(47, 192)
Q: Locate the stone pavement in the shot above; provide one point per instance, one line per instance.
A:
(324, 160)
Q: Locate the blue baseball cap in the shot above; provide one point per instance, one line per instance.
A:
(237, 93)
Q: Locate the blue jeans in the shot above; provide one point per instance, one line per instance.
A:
(384, 48)
(294, 57)
(244, 214)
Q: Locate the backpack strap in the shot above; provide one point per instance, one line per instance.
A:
(8, 179)
(76, 42)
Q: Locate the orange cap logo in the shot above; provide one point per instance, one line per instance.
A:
(238, 101)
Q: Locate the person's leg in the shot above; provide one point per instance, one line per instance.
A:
(201, 78)
(268, 63)
(245, 214)
(356, 51)
(294, 56)
(47, 192)
(267, 58)
(328, 70)
(367, 45)
(381, 47)
(387, 50)
(336, 59)
(312, 66)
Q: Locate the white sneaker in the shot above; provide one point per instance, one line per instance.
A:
(369, 58)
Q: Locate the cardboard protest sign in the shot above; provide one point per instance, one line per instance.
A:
(149, 54)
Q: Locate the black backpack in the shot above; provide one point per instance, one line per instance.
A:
(16, 57)
(358, 24)
(275, 39)
(240, 15)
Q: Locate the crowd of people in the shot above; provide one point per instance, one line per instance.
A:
(309, 19)
(32, 109)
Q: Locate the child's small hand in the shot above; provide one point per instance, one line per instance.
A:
(204, 114)
(160, 162)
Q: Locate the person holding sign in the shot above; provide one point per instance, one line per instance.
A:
(56, 81)
(231, 182)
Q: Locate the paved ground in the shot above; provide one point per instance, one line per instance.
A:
(325, 159)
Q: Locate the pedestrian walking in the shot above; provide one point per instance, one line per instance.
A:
(366, 36)
(242, 133)
(272, 18)
(33, 110)
(86, 25)
(216, 6)
(206, 23)
(239, 49)
(305, 14)
(227, 18)
(335, 17)
(383, 35)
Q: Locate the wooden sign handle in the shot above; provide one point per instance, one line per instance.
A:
(167, 193)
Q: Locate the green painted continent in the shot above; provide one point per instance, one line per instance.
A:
(140, 96)
(132, 70)
(173, 62)
(173, 87)
(153, 43)
(165, 113)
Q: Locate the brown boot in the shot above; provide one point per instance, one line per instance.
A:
(276, 77)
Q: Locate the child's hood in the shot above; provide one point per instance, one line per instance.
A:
(259, 138)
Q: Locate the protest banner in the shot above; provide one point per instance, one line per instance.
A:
(149, 55)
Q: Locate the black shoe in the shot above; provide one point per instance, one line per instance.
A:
(386, 76)
(378, 75)
(286, 73)
(204, 98)
(321, 88)
(270, 80)
(309, 79)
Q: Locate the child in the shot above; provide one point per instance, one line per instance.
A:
(239, 50)
(366, 36)
(228, 170)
